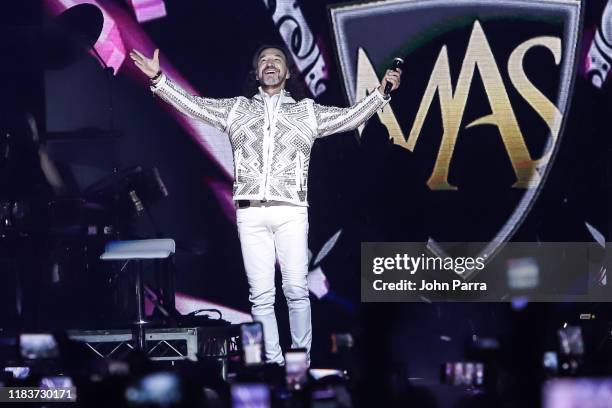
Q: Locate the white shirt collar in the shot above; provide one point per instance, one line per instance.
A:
(286, 95)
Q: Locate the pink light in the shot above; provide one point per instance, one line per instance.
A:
(147, 10)
(109, 45)
(212, 141)
(120, 24)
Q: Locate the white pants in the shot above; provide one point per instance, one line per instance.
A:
(268, 231)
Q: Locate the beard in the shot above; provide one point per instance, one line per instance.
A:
(270, 79)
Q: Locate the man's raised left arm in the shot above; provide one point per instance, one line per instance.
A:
(331, 119)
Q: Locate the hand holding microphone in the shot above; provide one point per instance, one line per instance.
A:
(391, 80)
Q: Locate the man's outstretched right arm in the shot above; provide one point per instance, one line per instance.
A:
(212, 111)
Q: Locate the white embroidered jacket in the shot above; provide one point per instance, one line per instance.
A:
(271, 155)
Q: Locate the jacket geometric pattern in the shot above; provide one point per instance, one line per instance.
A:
(270, 159)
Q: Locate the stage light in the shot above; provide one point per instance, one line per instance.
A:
(147, 10)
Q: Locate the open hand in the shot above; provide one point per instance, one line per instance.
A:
(149, 66)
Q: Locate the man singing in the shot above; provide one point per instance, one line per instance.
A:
(271, 135)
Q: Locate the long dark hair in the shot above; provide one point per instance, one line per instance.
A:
(294, 85)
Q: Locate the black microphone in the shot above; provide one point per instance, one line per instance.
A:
(397, 63)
